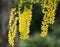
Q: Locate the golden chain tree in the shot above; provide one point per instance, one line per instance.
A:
(24, 21)
(13, 27)
(48, 9)
(24, 17)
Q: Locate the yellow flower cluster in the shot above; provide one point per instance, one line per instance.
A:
(48, 9)
(44, 29)
(24, 22)
(12, 29)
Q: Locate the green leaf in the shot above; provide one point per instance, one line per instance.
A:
(28, 5)
(16, 2)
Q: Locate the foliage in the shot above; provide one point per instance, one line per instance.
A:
(37, 41)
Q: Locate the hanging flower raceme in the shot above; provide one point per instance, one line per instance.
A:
(13, 27)
(24, 22)
(48, 9)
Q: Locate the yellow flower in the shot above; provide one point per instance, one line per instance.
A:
(48, 9)
(24, 22)
(43, 34)
(12, 29)
(24, 36)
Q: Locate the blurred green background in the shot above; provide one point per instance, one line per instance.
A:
(35, 40)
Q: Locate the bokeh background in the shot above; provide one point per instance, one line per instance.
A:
(51, 40)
